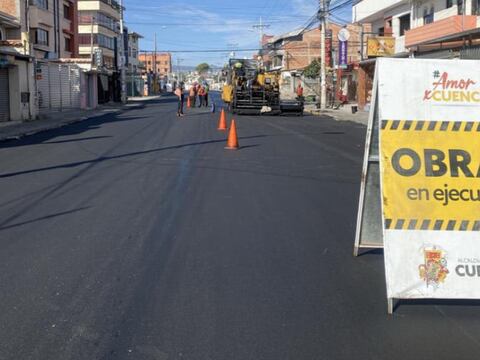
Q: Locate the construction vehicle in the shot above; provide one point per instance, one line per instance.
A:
(251, 90)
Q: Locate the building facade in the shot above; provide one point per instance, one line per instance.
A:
(17, 85)
(156, 71)
(420, 28)
(159, 63)
(135, 83)
(294, 51)
(101, 41)
(53, 28)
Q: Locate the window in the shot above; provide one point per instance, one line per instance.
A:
(461, 7)
(2, 36)
(68, 44)
(476, 7)
(42, 4)
(149, 62)
(449, 4)
(404, 24)
(428, 17)
(66, 12)
(98, 39)
(165, 70)
(381, 31)
(41, 37)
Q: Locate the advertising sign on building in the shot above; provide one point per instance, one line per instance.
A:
(342, 54)
(380, 46)
(428, 114)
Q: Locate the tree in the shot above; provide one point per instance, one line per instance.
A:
(203, 68)
(313, 70)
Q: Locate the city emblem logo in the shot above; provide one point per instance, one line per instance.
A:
(434, 270)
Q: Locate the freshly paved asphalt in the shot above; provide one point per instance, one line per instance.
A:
(137, 236)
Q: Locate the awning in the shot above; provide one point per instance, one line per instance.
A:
(464, 35)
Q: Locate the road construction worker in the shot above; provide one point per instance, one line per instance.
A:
(300, 92)
(192, 94)
(180, 97)
(201, 96)
(207, 90)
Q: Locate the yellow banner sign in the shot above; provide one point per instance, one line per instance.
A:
(381, 46)
(431, 175)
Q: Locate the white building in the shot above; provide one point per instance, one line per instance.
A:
(420, 26)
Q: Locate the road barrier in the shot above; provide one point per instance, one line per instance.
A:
(426, 120)
(232, 141)
(222, 124)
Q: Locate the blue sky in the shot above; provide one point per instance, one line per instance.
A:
(214, 24)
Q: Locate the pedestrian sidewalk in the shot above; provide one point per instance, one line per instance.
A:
(344, 113)
(54, 120)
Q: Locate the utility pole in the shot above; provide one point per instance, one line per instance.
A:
(260, 28)
(123, 92)
(155, 65)
(323, 14)
(180, 76)
(91, 42)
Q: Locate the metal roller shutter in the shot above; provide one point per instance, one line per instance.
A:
(4, 96)
(43, 85)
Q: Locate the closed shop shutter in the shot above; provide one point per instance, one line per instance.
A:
(4, 96)
(43, 85)
(55, 87)
(75, 90)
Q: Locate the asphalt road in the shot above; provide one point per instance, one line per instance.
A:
(137, 236)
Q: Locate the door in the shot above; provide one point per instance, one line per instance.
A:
(4, 96)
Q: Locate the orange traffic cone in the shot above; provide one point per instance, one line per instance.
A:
(222, 124)
(232, 142)
(188, 102)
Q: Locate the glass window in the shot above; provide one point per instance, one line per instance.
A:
(41, 37)
(449, 4)
(476, 7)
(66, 12)
(427, 17)
(68, 44)
(404, 24)
(42, 4)
(461, 6)
(381, 31)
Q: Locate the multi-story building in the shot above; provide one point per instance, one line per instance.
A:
(156, 71)
(53, 28)
(100, 40)
(17, 86)
(416, 28)
(135, 66)
(159, 63)
(99, 30)
(294, 51)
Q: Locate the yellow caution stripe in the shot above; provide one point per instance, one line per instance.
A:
(429, 224)
(422, 125)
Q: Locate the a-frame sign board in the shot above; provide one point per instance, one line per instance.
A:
(369, 232)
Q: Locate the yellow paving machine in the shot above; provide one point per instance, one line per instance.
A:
(251, 90)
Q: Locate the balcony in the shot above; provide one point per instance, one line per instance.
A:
(439, 29)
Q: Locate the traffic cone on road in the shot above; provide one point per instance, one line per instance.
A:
(188, 103)
(222, 124)
(232, 142)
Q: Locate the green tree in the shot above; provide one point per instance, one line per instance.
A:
(313, 70)
(203, 68)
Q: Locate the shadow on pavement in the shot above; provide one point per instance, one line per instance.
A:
(107, 158)
(69, 130)
(46, 217)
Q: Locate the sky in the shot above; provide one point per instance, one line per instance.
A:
(215, 24)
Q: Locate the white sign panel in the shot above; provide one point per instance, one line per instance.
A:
(429, 113)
